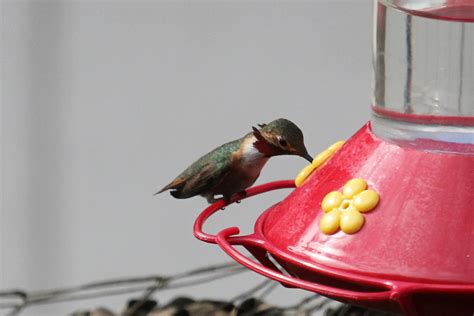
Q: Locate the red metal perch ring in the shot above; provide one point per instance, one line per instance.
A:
(198, 224)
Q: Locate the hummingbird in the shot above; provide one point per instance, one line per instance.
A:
(233, 167)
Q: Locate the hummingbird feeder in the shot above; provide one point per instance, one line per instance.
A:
(385, 220)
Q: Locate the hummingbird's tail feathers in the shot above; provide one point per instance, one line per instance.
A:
(175, 184)
(161, 191)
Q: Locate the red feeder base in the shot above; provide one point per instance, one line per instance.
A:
(413, 255)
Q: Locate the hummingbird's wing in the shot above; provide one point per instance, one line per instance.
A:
(203, 181)
(196, 183)
(204, 174)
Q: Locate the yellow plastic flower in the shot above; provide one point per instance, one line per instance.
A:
(318, 161)
(343, 210)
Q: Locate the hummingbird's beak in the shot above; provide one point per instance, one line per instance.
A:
(308, 157)
(303, 152)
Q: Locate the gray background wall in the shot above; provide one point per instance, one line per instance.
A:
(104, 102)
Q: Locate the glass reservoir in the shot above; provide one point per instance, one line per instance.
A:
(424, 73)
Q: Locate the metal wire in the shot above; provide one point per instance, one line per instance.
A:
(15, 301)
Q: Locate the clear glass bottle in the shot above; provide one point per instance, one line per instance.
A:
(424, 73)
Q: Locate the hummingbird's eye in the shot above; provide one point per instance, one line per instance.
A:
(282, 142)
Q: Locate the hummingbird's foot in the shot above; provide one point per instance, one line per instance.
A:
(226, 199)
(242, 194)
(211, 199)
(239, 196)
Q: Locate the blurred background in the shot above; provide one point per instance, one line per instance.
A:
(104, 102)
